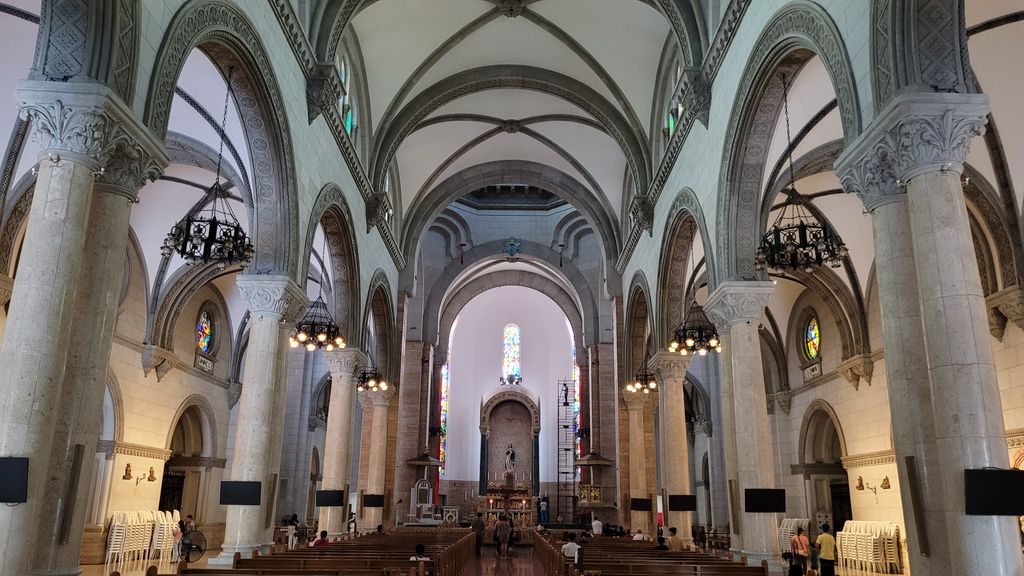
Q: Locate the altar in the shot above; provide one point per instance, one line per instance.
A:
(509, 454)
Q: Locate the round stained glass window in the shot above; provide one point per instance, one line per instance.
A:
(204, 333)
(812, 338)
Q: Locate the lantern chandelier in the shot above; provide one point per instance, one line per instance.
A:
(371, 379)
(213, 234)
(317, 328)
(696, 335)
(643, 381)
(797, 240)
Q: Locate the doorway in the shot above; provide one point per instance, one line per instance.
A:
(842, 509)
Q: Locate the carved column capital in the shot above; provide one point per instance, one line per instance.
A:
(89, 124)
(323, 90)
(274, 296)
(736, 301)
(377, 397)
(915, 134)
(636, 400)
(157, 358)
(1007, 304)
(784, 398)
(641, 213)
(378, 211)
(697, 98)
(857, 368)
(6, 288)
(345, 362)
(668, 366)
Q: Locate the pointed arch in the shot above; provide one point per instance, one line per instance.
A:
(331, 211)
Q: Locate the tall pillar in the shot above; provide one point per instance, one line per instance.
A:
(344, 363)
(736, 308)
(604, 407)
(636, 404)
(273, 300)
(670, 370)
(376, 466)
(79, 127)
(413, 399)
(921, 140)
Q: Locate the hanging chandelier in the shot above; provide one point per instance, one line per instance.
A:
(317, 328)
(797, 240)
(696, 335)
(643, 381)
(213, 234)
(371, 379)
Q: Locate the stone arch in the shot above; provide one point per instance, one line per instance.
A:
(849, 316)
(819, 420)
(638, 324)
(14, 223)
(183, 285)
(526, 279)
(703, 399)
(797, 32)
(207, 422)
(685, 220)
(510, 393)
(113, 387)
(224, 32)
(378, 325)
(426, 208)
(331, 210)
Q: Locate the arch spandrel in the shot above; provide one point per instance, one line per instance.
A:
(508, 393)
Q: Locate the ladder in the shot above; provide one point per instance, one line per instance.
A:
(566, 501)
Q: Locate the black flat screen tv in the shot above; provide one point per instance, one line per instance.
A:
(237, 493)
(682, 503)
(994, 492)
(640, 504)
(764, 500)
(373, 500)
(13, 480)
(330, 498)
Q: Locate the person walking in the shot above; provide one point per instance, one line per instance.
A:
(478, 530)
(801, 550)
(502, 531)
(826, 546)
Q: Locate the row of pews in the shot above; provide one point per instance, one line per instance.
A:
(371, 555)
(603, 556)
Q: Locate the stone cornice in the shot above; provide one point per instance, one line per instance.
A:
(1015, 438)
(197, 461)
(736, 301)
(869, 459)
(278, 297)
(141, 451)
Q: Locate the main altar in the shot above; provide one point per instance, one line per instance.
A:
(509, 455)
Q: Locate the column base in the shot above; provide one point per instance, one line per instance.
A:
(775, 565)
(227, 554)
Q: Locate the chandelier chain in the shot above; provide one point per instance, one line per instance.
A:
(224, 123)
(789, 138)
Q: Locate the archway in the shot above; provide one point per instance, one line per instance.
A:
(314, 477)
(184, 474)
(822, 447)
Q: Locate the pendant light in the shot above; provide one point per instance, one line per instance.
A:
(317, 328)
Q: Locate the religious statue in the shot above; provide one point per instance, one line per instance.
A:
(127, 472)
(510, 459)
(152, 475)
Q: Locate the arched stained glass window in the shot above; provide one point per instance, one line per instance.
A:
(812, 338)
(443, 435)
(204, 333)
(510, 351)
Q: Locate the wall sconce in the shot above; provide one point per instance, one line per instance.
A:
(874, 489)
(885, 483)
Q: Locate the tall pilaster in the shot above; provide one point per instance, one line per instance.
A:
(736, 308)
(273, 302)
(919, 142)
(636, 404)
(344, 363)
(670, 370)
(80, 129)
(381, 402)
(413, 400)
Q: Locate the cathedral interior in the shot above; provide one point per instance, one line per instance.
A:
(731, 266)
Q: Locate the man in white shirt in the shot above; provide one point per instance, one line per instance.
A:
(571, 549)
(596, 527)
(640, 536)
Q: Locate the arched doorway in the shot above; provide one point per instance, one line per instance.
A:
(827, 484)
(314, 477)
(181, 488)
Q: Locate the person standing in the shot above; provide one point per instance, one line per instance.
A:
(826, 545)
(801, 549)
(478, 531)
(543, 511)
(502, 532)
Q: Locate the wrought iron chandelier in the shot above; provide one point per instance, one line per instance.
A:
(213, 234)
(696, 335)
(797, 240)
(643, 381)
(371, 379)
(317, 328)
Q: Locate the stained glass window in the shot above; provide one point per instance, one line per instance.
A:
(577, 416)
(510, 351)
(812, 338)
(445, 382)
(204, 333)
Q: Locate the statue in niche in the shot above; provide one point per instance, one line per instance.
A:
(510, 459)
(127, 472)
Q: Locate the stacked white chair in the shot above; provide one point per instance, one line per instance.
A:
(872, 546)
(115, 540)
(134, 538)
(787, 529)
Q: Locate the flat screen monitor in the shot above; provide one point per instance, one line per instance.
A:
(330, 498)
(373, 500)
(994, 492)
(764, 500)
(235, 493)
(13, 480)
(682, 503)
(640, 504)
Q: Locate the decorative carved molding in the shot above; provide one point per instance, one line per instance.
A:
(345, 361)
(1015, 438)
(1007, 304)
(869, 459)
(667, 366)
(6, 288)
(378, 211)
(510, 393)
(636, 400)
(377, 398)
(641, 214)
(857, 368)
(292, 29)
(817, 468)
(735, 302)
(697, 99)
(157, 358)
(784, 399)
(323, 90)
(234, 392)
(141, 451)
(275, 296)
(207, 462)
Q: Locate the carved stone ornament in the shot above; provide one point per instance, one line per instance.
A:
(736, 301)
(234, 392)
(323, 90)
(667, 366)
(158, 359)
(636, 400)
(377, 397)
(915, 134)
(1007, 304)
(856, 369)
(378, 211)
(697, 99)
(344, 362)
(88, 123)
(273, 296)
(511, 8)
(641, 213)
(784, 398)
(6, 289)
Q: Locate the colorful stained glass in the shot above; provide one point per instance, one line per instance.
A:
(510, 354)
(577, 416)
(204, 333)
(445, 382)
(812, 338)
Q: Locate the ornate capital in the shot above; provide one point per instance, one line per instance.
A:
(697, 100)
(378, 211)
(636, 400)
(129, 168)
(234, 392)
(511, 8)
(88, 123)
(6, 289)
(784, 398)
(345, 362)
(323, 90)
(641, 213)
(915, 134)
(377, 397)
(157, 358)
(274, 296)
(737, 301)
(857, 368)
(1007, 304)
(668, 366)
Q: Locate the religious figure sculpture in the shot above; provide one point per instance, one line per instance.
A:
(127, 472)
(510, 459)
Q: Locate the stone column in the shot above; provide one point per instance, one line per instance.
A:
(344, 363)
(413, 399)
(670, 370)
(80, 128)
(736, 308)
(376, 467)
(921, 140)
(636, 404)
(604, 407)
(272, 300)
